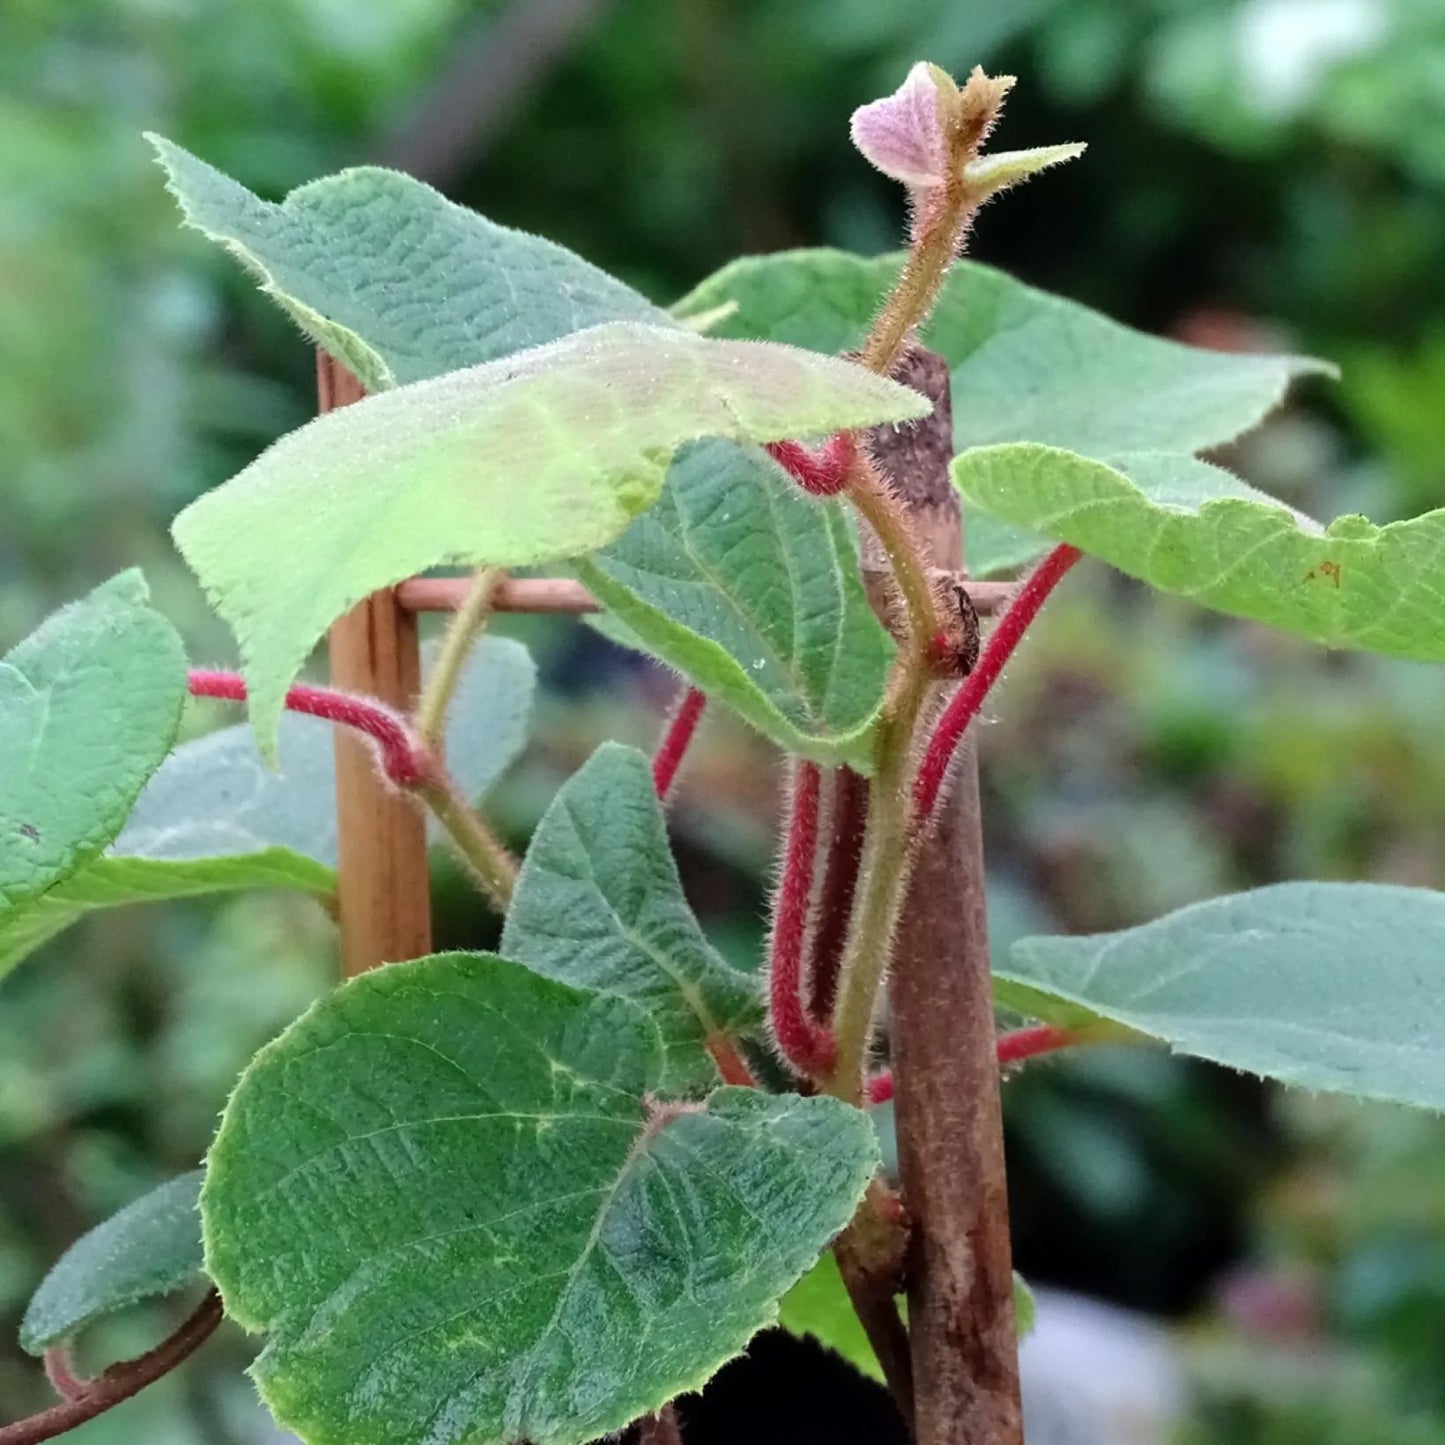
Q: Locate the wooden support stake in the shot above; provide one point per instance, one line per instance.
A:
(950, 1128)
(384, 884)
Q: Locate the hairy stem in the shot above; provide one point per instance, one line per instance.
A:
(963, 706)
(884, 871)
(404, 761)
(802, 1042)
(117, 1384)
(485, 855)
(871, 495)
(1013, 1047)
(847, 827)
(461, 636)
(676, 741)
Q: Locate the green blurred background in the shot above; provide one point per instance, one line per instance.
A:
(1269, 173)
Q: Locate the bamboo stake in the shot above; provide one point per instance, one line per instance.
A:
(950, 1129)
(563, 595)
(384, 883)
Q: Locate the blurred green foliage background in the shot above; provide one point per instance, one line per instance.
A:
(1261, 173)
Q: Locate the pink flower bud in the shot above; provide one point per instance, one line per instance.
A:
(902, 134)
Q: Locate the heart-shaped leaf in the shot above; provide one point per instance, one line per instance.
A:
(598, 903)
(1186, 527)
(89, 705)
(450, 1195)
(546, 454)
(752, 590)
(150, 1248)
(1331, 986)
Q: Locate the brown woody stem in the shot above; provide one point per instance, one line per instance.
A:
(117, 1384)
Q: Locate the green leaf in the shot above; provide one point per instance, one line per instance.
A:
(450, 1195)
(720, 579)
(751, 589)
(89, 705)
(818, 1307)
(150, 1249)
(393, 279)
(1186, 527)
(1027, 366)
(216, 819)
(598, 903)
(546, 454)
(1329, 986)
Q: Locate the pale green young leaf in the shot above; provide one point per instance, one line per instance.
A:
(1335, 987)
(216, 819)
(512, 1239)
(548, 453)
(598, 903)
(89, 705)
(1184, 526)
(392, 278)
(752, 591)
(151, 1248)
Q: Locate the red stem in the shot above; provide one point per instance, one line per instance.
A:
(807, 1047)
(963, 706)
(1011, 1048)
(403, 757)
(731, 1066)
(119, 1382)
(675, 741)
(60, 1371)
(840, 882)
(821, 474)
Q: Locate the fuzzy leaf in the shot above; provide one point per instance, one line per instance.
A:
(510, 1240)
(150, 1248)
(89, 705)
(546, 454)
(216, 819)
(392, 278)
(403, 285)
(599, 904)
(1190, 528)
(1027, 366)
(1329, 986)
(751, 590)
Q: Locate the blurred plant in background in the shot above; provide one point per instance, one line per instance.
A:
(1261, 172)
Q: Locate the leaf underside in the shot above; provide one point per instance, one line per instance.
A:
(151, 1248)
(1337, 987)
(1189, 528)
(546, 454)
(509, 1239)
(752, 590)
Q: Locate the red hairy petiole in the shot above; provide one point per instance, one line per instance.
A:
(405, 761)
(821, 474)
(963, 706)
(805, 1045)
(1011, 1048)
(676, 740)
